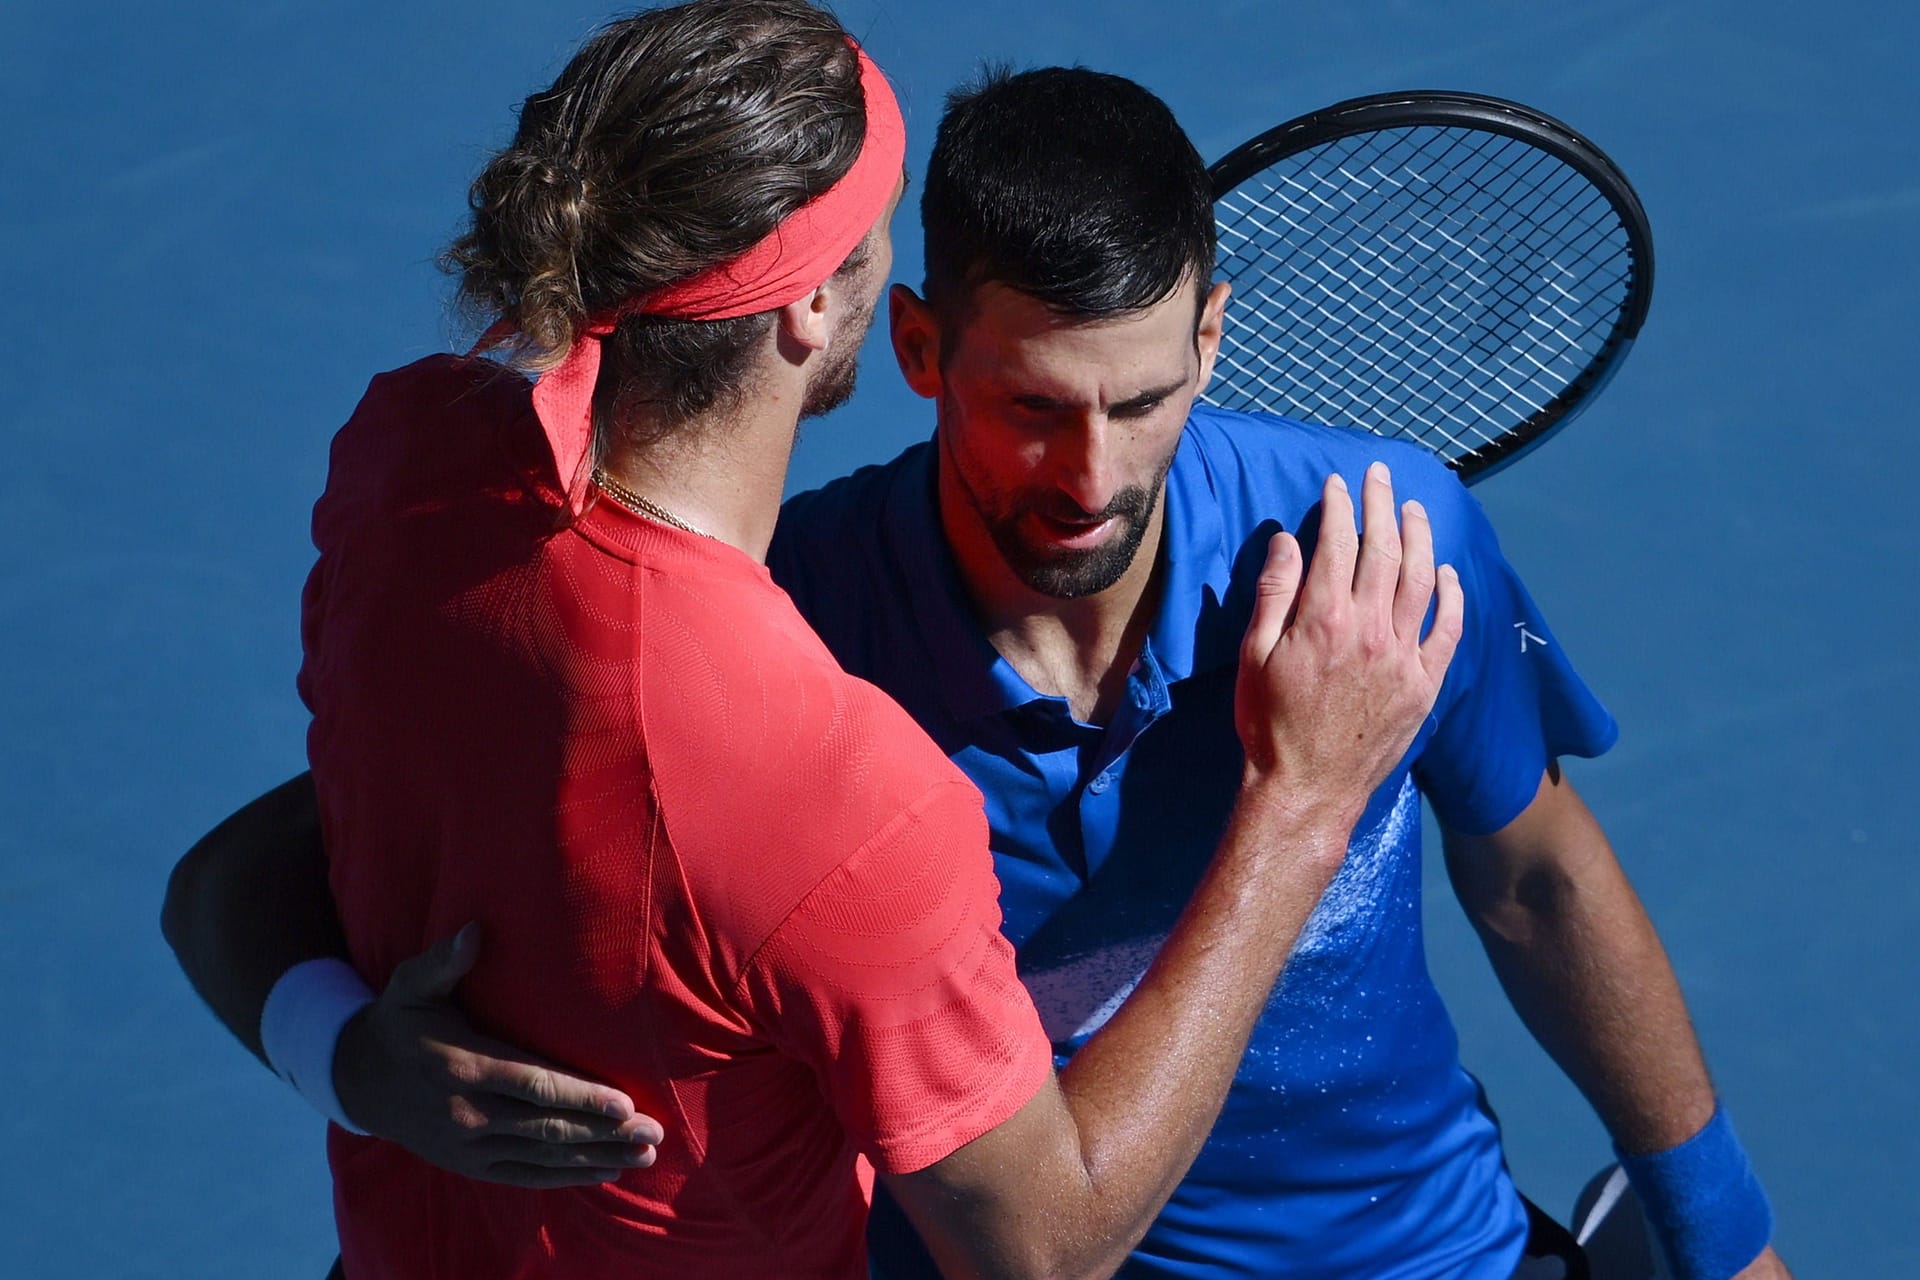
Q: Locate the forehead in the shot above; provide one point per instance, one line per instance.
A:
(1011, 338)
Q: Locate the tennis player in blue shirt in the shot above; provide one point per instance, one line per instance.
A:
(1054, 587)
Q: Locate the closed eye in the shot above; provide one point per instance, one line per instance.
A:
(1145, 403)
(1138, 406)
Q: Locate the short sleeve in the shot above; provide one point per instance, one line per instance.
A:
(1512, 700)
(892, 981)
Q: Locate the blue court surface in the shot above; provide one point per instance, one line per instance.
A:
(219, 220)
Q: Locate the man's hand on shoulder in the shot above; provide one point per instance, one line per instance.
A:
(410, 1068)
(1335, 678)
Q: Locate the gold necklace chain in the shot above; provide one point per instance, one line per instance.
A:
(640, 504)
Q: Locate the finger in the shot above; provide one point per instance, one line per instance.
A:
(536, 1177)
(1436, 651)
(1274, 592)
(1415, 590)
(1379, 567)
(434, 973)
(609, 1157)
(1329, 580)
(506, 1117)
(489, 1068)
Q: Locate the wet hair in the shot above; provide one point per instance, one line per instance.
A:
(674, 140)
(1076, 188)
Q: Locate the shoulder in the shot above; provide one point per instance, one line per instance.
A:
(838, 550)
(844, 515)
(1286, 452)
(417, 425)
(436, 394)
(1261, 466)
(770, 762)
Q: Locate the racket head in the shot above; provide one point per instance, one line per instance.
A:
(1454, 269)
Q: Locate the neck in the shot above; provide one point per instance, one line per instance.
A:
(721, 472)
(1080, 649)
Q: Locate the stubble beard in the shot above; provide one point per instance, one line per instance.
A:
(1059, 572)
(832, 385)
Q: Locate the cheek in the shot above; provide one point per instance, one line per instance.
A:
(995, 455)
(1153, 451)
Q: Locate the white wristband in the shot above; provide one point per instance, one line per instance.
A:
(300, 1026)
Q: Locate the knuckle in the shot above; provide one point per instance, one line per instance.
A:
(1324, 630)
(458, 1070)
(465, 1116)
(540, 1088)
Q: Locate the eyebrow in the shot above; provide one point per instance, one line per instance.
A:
(1144, 400)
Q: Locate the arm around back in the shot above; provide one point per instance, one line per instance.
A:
(249, 901)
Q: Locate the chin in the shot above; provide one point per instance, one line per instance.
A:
(1076, 575)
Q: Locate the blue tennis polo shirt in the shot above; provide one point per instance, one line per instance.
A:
(1352, 1142)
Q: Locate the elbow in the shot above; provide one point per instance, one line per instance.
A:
(1532, 909)
(176, 909)
(1073, 1269)
(1060, 1259)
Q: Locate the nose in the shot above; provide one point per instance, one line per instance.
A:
(1085, 467)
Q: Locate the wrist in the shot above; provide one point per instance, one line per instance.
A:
(301, 1024)
(1308, 811)
(1297, 819)
(1704, 1202)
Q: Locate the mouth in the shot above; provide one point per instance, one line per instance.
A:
(1074, 535)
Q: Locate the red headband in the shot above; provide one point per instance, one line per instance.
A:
(792, 261)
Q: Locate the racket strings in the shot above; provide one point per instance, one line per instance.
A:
(1458, 246)
(1438, 282)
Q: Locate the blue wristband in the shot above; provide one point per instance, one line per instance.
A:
(1704, 1202)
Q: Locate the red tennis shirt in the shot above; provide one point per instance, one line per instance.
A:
(710, 867)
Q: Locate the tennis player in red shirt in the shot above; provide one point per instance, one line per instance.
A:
(554, 691)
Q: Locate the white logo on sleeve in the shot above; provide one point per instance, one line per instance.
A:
(1526, 635)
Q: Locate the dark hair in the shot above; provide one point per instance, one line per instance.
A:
(1077, 188)
(674, 140)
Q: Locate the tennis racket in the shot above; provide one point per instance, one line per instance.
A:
(1461, 271)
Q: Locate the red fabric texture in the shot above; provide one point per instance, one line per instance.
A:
(709, 867)
(796, 258)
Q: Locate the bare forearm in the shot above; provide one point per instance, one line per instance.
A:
(1596, 989)
(250, 901)
(1101, 1148)
(1145, 1091)
(1585, 970)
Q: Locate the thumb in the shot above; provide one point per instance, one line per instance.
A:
(434, 973)
(1274, 593)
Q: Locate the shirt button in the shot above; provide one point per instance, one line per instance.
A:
(1100, 783)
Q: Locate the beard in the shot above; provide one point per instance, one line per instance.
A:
(832, 386)
(832, 383)
(1061, 572)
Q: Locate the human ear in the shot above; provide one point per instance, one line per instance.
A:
(804, 322)
(1213, 322)
(915, 330)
